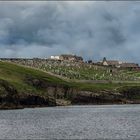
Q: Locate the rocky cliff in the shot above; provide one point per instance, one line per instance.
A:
(61, 95)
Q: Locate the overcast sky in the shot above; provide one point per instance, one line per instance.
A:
(91, 29)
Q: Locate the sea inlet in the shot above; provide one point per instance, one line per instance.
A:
(72, 122)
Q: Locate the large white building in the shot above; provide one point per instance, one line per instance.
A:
(55, 57)
(68, 57)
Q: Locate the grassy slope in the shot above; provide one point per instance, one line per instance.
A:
(90, 72)
(16, 75)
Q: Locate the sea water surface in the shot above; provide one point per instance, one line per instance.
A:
(72, 122)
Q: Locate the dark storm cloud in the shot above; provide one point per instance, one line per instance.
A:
(91, 29)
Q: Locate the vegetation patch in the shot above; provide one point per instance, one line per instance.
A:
(24, 86)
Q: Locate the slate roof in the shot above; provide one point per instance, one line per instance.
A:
(112, 62)
(122, 64)
(67, 56)
(129, 65)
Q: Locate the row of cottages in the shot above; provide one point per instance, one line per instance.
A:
(119, 64)
(68, 57)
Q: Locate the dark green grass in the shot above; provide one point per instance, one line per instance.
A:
(16, 75)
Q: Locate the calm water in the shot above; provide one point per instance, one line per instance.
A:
(74, 122)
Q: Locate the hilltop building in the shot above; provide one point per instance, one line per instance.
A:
(68, 57)
(55, 57)
(130, 65)
(112, 63)
(119, 64)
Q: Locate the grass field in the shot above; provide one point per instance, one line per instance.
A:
(90, 72)
(25, 86)
(17, 75)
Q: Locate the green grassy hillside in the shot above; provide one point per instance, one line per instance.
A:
(18, 76)
(80, 71)
(31, 86)
(83, 71)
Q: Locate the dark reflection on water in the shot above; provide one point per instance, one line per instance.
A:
(73, 122)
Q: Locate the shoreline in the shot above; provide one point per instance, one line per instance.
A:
(71, 105)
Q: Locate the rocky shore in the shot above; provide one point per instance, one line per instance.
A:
(62, 96)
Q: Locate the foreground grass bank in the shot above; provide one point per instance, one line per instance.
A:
(26, 87)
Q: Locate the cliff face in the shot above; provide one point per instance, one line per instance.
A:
(8, 95)
(10, 98)
(76, 96)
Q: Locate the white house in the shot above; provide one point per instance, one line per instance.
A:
(55, 57)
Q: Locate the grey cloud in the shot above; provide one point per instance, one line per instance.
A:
(91, 29)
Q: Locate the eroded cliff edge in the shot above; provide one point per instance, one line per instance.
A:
(55, 95)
